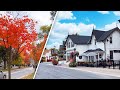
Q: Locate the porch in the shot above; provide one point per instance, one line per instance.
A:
(93, 55)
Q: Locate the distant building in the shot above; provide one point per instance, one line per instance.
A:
(62, 51)
(54, 52)
(47, 54)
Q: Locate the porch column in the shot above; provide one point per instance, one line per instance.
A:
(89, 58)
(98, 57)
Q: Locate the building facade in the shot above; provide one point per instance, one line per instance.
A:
(101, 45)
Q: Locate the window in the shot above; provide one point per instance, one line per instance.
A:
(111, 54)
(100, 56)
(80, 57)
(110, 39)
(96, 56)
(116, 51)
(95, 41)
(69, 44)
(72, 44)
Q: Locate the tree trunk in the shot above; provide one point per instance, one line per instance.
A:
(5, 64)
(35, 65)
(9, 63)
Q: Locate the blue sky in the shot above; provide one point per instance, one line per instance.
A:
(81, 22)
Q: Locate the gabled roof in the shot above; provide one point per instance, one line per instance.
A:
(107, 33)
(98, 34)
(77, 39)
(102, 35)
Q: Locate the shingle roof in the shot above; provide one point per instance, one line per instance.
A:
(98, 34)
(107, 33)
(77, 39)
(93, 50)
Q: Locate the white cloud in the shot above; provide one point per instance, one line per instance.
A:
(56, 44)
(104, 12)
(73, 28)
(109, 26)
(42, 17)
(65, 15)
(117, 13)
(61, 30)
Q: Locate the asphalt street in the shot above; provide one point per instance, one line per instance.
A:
(46, 71)
(18, 74)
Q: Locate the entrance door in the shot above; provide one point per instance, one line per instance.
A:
(111, 55)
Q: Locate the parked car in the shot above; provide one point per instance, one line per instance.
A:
(2, 75)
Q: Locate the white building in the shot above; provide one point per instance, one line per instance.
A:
(100, 45)
(47, 54)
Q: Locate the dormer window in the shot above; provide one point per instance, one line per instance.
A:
(110, 39)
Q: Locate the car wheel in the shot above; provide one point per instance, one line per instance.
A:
(4, 77)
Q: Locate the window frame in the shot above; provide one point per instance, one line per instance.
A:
(111, 40)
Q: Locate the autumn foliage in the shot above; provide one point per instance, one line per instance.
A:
(37, 50)
(16, 36)
(17, 32)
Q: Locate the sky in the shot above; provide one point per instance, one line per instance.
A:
(42, 17)
(81, 22)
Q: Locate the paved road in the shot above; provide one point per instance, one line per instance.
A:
(20, 73)
(46, 71)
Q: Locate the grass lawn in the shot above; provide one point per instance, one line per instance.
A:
(30, 76)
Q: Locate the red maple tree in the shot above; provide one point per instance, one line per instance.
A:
(16, 35)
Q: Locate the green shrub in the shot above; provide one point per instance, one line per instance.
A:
(72, 64)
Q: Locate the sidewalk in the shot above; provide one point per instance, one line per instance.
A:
(15, 69)
(95, 70)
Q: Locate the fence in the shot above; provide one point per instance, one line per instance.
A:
(105, 64)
